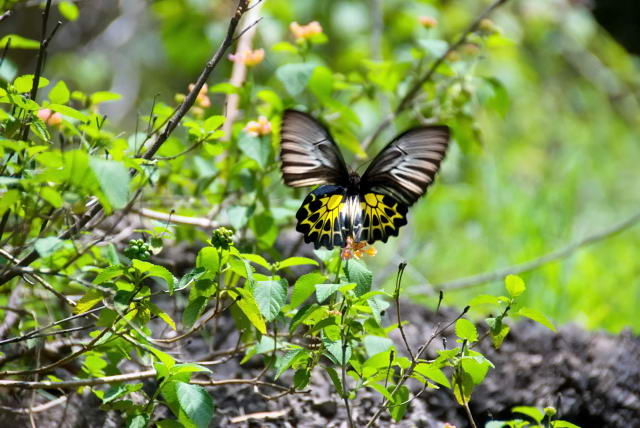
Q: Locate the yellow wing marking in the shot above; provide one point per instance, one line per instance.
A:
(318, 219)
(382, 215)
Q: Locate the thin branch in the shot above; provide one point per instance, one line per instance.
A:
(416, 88)
(159, 139)
(396, 298)
(202, 222)
(474, 280)
(36, 409)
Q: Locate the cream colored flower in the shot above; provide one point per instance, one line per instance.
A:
(248, 57)
(258, 128)
(305, 32)
(202, 99)
(428, 21)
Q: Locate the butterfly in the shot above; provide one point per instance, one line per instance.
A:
(347, 206)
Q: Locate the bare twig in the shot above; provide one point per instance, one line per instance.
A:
(202, 222)
(35, 409)
(474, 280)
(415, 89)
(396, 298)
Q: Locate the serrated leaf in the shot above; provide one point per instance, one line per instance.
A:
(466, 330)
(305, 286)
(323, 291)
(249, 307)
(89, 300)
(108, 273)
(400, 402)
(515, 285)
(196, 403)
(114, 180)
(163, 357)
(538, 317)
(270, 297)
(193, 311)
(47, 246)
(257, 259)
(208, 258)
(335, 350)
(333, 375)
(296, 261)
(156, 271)
(356, 271)
(376, 344)
(283, 362)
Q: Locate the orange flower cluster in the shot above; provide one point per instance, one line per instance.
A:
(428, 21)
(202, 100)
(258, 128)
(248, 57)
(49, 117)
(356, 250)
(305, 32)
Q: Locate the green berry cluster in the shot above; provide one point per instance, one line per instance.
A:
(222, 238)
(138, 249)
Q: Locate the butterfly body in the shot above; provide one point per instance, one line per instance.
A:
(370, 207)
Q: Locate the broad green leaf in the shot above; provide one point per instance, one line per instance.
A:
(212, 123)
(335, 350)
(270, 297)
(484, 299)
(294, 77)
(196, 403)
(108, 273)
(514, 285)
(477, 368)
(432, 372)
(356, 271)
(69, 10)
(321, 83)
(563, 424)
(52, 196)
(323, 291)
(376, 344)
(166, 318)
(256, 148)
(163, 357)
(333, 375)
(190, 276)
(532, 412)
(296, 261)
(208, 258)
(435, 47)
(138, 421)
(59, 94)
(9, 198)
(466, 330)
(156, 271)
(91, 298)
(24, 83)
(70, 112)
(283, 362)
(193, 311)
(538, 317)
(47, 246)
(270, 98)
(380, 389)
(400, 402)
(103, 96)
(188, 368)
(257, 259)
(18, 42)
(249, 307)
(305, 286)
(301, 378)
(114, 180)
(284, 47)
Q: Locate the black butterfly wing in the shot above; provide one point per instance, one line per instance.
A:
(308, 153)
(321, 218)
(405, 168)
(382, 216)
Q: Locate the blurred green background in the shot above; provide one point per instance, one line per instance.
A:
(545, 115)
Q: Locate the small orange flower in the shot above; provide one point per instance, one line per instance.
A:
(49, 117)
(428, 21)
(448, 425)
(248, 57)
(305, 32)
(356, 250)
(258, 128)
(202, 100)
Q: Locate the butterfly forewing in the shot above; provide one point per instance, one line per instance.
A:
(407, 166)
(308, 153)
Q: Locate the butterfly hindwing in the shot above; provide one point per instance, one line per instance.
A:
(308, 153)
(319, 218)
(407, 165)
(382, 216)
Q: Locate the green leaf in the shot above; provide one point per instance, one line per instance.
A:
(103, 96)
(257, 259)
(138, 421)
(70, 112)
(9, 198)
(477, 368)
(301, 378)
(333, 375)
(466, 330)
(294, 77)
(563, 424)
(59, 94)
(357, 272)
(323, 291)
(156, 271)
(256, 148)
(335, 350)
(163, 357)
(196, 403)
(532, 412)
(69, 10)
(400, 402)
(188, 368)
(193, 311)
(47, 246)
(376, 344)
(25, 83)
(484, 299)
(18, 42)
(270, 98)
(434, 373)
(108, 273)
(249, 307)
(321, 83)
(434, 47)
(284, 47)
(285, 361)
(296, 261)
(52, 196)
(538, 317)
(208, 258)
(305, 286)
(114, 180)
(212, 123)
(515, 285)
(91, 298)
(271, 297)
